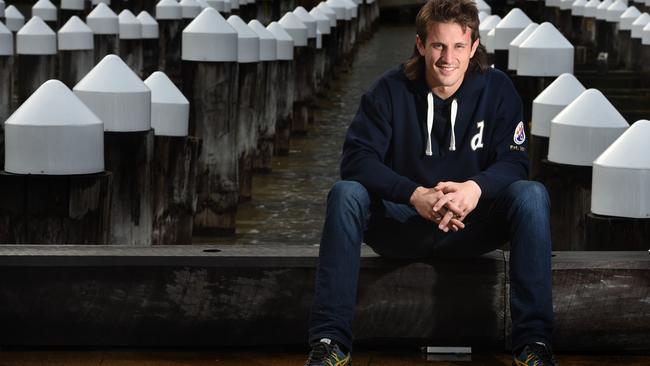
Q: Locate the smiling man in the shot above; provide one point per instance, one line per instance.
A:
(435, 165)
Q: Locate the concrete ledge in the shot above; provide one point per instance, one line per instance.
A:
(260, 295)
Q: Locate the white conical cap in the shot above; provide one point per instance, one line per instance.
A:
(628, 17)
(45, 10)
(190, 9)
(149, 25)
(268, 43)
(615, 11)
(578, 7)
(103, 20)
(560, 93)
(482, 16)
(322, 21)
(248, 42)
(296, 29)
(130, 26)
(483, 6)
(35, 38)
(227, 6)
(14, 19)
(591, 8)
(339, 7)
(75, 35)
(116, 95)
(601, 10)
(331, 14)
(170, 110)
(6, 41)
(351, 8)
(545, 53)
(308, 20)
(513, 47)
(638, 25)
(284, 41)
(487, 25)
(218, 5)
(2, 7)
(203, 3)
(209, 38)
(169, 9)
(621, 175)
(234, 4)
(72, 4)
(566, 4)
(54, 133)
(645, 39)
(490, 41)
(509, 27)
(584, 129)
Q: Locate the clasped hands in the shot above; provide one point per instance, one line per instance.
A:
(447, 204)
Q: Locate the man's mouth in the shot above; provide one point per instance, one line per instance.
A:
(447, 67)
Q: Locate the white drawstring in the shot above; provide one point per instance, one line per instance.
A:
(430, 111)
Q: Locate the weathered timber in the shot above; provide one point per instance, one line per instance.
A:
(6, 95)
(50, 209)
(285, 92)
(132, 54)
(305, 83)
(247, 125)
(617, 233)
(169, 45)
(174, 189)
(74, 65)
(106, 44)
(32, 71)
(264, 11)
(150, 56)
(267, 117)
(237, 296)
(128, 156)
(212, 89)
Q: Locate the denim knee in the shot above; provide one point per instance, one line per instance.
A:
(347, 194)
(529, 196)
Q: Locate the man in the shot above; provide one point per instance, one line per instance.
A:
(435, 164)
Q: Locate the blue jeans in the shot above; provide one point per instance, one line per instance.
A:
(519, 214)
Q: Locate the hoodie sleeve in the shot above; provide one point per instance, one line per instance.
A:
(365, 147)
(508, 151)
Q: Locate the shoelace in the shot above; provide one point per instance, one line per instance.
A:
(319, 353)
(544, 355)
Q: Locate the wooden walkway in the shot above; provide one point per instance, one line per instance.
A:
(258, 358)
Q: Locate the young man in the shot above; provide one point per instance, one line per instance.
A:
(435, 164)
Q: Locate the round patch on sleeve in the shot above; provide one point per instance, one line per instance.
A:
(520, 134)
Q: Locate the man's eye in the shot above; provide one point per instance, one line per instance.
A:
(437, 46)
(460, 46)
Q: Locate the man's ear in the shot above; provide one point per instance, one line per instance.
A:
(474, 47)
(420, 45)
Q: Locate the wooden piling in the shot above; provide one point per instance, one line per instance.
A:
(76, 51)
(6, 83)
(169, 14)
(150, 50)
(322, 42)
(131, 41)
(106, 28)
(284, 89)
(329, 42)
(616, 233)
(210, 83)
(36, 57)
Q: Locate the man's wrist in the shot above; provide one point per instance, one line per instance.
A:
(477, 187)
(419, 190)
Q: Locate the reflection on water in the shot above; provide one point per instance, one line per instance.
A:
(288, 205)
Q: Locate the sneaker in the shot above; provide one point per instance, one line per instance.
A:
(324, 353)
(534, 354)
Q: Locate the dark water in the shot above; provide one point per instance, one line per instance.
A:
(288, 205)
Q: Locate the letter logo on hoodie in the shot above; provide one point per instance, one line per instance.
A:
(477, 140)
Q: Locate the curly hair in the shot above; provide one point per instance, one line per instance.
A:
(463, 12)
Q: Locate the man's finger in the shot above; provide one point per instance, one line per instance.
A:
(444, 223)
(441, 203)
(453, 207)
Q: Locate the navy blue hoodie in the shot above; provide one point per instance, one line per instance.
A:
(391, 147)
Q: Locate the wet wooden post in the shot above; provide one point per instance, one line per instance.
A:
(303, 65)
(190, 9)
(6, 83)
(267, 97)
(342, 18)
(106, 27)
(248, 57)
(579, 34)
(285, 89)
(505, 32)
(70, 8)
(174, 164)
(131, 41)
(351, 44)
(55, 190)
(123, 102)
(150, 34)
(169, 14)
(588, 27)
(329, 42)
(484, 28)
(636, 47)
(560, 93)
(45, 10)
(76, 51)
(264, 13)
(534, 73)
(620, 205)
(305, 111)
(614, 13)
(210, 83)
(625, 34)
(2, 11)
(36, 57)
(322, 42)
(579, 134)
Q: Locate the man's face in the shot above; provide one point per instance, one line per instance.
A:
(447, 52)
